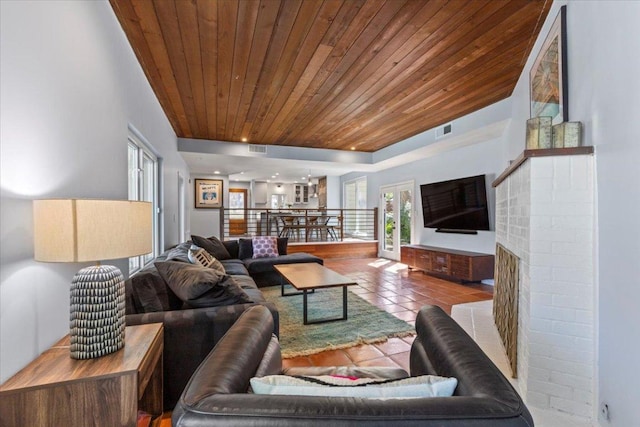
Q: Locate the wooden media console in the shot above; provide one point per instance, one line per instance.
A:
(464, 266)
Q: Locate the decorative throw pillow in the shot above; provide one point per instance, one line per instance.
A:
(178, 253)
(265, 247)
(245, 248)
(200, 286)
(335, 386)
(226, 292)
(201, 257)
(232, 248)
(282, 245)
(213, 245)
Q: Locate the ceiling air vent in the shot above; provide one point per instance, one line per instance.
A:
(444, 130)
(258, 149)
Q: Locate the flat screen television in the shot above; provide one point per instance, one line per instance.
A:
(457, 205)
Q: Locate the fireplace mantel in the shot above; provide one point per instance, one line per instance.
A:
(527, 154)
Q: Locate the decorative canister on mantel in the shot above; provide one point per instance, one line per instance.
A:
(567, 134)
(539, 133)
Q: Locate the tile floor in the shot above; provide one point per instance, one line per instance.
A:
(392, 287)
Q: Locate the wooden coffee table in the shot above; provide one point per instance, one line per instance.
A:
(310, 276)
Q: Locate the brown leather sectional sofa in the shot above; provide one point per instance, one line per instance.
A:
(217, 394)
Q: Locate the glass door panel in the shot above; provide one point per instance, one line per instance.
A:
(389, 221)
(396, 205)
(406, 205)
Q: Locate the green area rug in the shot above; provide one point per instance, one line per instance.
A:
(366, 323)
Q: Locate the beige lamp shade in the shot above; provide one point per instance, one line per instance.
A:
(79, 230)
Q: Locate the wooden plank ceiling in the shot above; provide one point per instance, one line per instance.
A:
(340, 74)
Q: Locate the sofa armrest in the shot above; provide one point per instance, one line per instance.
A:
(189, 336)
(443, 348)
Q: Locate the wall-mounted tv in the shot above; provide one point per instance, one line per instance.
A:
(457, 205)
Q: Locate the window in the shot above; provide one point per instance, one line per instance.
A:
(355, 197)
(278, 201)
(143, 186)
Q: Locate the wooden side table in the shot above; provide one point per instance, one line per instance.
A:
(55, 390)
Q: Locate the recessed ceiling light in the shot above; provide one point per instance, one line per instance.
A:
(216, 172)
(277, 173)
(241, 173)
(353, 148)
(268, 180)
(273, 176)
(295, 182)
(244, 139)
(304, 177)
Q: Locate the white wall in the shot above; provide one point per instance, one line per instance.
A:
(485, 158)
(334, 192)
(604, 65)
(70, 86)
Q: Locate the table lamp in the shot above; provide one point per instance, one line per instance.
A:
(81, 230)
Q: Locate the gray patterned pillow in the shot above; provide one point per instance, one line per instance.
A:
(199, 256)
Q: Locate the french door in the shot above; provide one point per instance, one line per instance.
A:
(396, 207)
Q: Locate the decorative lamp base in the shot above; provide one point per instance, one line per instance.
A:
(97, 312)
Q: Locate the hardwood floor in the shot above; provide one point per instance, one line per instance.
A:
(392, 287)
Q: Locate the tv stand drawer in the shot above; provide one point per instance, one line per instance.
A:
(440, 262)
(453, 264)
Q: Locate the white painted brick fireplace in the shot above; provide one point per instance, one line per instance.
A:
(545, 215)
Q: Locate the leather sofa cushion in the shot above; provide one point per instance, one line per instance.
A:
(245, 282)
(262, 265)
(235, 267)
(249, 287)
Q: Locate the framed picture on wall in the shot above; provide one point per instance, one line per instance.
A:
(208, 193)
(549, 92)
